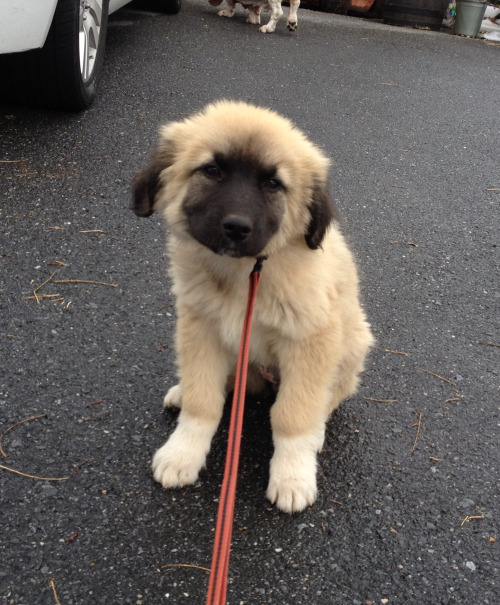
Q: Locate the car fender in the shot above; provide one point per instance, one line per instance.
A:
(24, 25)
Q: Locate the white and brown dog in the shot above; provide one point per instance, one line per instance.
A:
(256, 6)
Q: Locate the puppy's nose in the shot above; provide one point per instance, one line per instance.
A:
(237, 227)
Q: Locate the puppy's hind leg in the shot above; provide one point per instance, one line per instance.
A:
(276, 12)
(204, 367)
(229, 11)
(292, 15)
(173, 399)
(352, 364)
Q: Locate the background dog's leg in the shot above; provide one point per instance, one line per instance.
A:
(292, 15)
(204, 367)
(229, 11)
(298, 420)
(254, 16)
(276, 12)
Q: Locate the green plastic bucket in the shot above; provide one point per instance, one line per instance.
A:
(468, 18)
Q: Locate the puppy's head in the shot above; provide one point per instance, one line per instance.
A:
(238, 179)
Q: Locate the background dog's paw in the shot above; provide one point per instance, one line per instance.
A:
(175, 467)
(292, 25)
(226, 13)
(173, 399)
(292, 494)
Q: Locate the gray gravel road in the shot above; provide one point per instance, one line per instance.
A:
(410, 119)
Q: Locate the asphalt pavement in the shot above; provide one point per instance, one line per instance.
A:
(409, 507)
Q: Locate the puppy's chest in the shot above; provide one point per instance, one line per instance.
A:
(225, 312)
(262, 340)
(273, 322)
(278, 313)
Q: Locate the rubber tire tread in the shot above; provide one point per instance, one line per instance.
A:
(50, 77)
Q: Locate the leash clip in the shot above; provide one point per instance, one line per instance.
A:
(258, 265)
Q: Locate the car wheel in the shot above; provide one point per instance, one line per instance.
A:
(65, 72)
(170, 7)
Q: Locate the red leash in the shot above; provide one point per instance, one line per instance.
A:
(217, 585)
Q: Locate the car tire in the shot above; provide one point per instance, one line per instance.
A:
(54, 76)
(169, 7)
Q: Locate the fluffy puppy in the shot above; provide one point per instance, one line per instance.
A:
(255, 7)
(234, 182)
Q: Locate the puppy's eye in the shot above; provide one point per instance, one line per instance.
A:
(212, 171)
(273, 184)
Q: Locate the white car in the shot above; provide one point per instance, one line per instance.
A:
(52, 51)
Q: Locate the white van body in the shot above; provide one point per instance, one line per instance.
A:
(24, 24)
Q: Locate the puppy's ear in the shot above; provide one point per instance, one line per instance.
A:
(322, 213)
(146, 185)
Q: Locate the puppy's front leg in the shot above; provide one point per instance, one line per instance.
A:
(204, 368)
(298, 422)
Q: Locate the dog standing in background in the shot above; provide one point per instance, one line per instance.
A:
(235, 182)
(255, 7)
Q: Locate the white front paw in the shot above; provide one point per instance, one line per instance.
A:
(292, 481)
(172, 468)
(292, 494)
(173, 399)
(179, 461)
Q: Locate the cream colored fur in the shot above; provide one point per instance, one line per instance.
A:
(308, 324)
